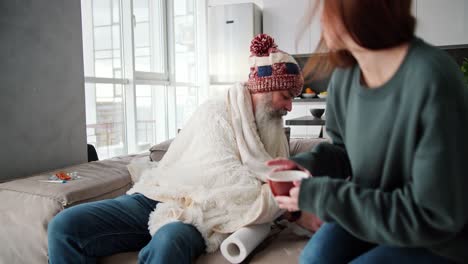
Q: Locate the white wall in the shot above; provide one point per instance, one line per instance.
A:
(283, 20)
(438, 22)
(442, 22)
(42, 108)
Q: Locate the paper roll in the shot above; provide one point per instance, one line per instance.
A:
(239, 244)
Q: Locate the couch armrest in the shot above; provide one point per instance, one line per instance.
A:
(157, 151)
(29, 205)
(97, 179)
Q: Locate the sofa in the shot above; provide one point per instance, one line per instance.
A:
(27, 205)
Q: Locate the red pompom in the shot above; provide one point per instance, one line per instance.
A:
(261, 45)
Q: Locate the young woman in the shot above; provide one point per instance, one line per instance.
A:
(392, 185)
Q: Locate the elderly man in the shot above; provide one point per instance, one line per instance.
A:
(210, 183)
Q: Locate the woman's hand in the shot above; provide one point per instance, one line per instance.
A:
(283, 164)
(291, 202)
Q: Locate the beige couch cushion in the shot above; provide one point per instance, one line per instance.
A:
(278, 248)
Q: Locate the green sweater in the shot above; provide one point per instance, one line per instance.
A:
(405, 147)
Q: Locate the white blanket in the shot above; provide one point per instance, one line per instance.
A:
(213, 175)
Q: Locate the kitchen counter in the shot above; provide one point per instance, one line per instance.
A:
(300, 108)
(312, 100)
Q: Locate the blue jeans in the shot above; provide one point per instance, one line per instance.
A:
(332, 244)
(84, 232)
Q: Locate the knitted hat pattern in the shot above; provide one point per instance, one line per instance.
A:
(272, 69)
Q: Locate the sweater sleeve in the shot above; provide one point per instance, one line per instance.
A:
(328, 159)
(325, 159)
(431, 207)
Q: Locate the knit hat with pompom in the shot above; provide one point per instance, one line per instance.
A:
(272, 69)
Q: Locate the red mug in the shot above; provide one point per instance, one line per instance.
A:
(281, 182)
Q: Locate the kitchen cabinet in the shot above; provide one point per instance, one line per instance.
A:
(442, 22)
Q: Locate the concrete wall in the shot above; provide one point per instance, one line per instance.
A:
(42, 108)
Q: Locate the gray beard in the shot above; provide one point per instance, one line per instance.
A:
(269, 125)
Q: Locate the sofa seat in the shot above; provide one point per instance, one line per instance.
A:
(27, 205)
(278, 248)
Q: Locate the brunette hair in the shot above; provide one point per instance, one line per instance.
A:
(372, 24)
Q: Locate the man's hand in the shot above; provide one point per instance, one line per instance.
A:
(309, 221)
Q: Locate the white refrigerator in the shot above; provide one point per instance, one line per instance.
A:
(230, 30)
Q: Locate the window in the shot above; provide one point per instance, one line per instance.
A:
(103, 42)
(151, 114)
(184, 28)
(105, 101)
(142, 73)
(186, 103)
(105, 123)
(149, 36)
